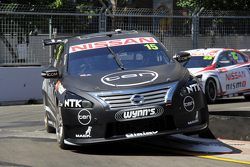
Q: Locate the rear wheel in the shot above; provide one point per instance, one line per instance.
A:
(247, 97)
(211, 91)
(48, 127)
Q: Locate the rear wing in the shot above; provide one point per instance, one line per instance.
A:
(54, 41)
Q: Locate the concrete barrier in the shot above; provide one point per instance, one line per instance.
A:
(230, 127)
(19, 85)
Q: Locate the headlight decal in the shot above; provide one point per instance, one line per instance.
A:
(170, 93)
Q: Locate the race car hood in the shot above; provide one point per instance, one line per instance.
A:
(126, 79)
(195, 71)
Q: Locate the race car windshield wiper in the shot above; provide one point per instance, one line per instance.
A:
(115, 56)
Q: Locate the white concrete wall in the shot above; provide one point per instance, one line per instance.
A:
(20, 84)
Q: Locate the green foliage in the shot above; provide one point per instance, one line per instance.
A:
(215, 4)
(188, 4)
(58, 4)
(29, 2)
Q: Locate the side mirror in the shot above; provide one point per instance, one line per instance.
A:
(182, 56)
(50, 72)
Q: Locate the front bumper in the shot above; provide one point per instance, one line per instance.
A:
(78, 142)
(104, 127)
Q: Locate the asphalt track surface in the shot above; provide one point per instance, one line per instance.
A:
(24, 142)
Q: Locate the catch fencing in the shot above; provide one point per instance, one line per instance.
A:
(24, 27)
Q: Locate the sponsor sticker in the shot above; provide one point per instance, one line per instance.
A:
(73, 103)
(235, 56)
(208, 58)
(87, 133)
(59, 87)
(139, 113)
(193, 88)
(111, 43)
(84, 117)
(235, 75)
(129, 78)
(188, 103)
(236, 85)
(130, 135)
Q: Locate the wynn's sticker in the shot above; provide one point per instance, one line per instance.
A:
(139, 113)
(117, 42)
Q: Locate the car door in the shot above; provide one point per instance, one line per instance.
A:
(226, 67)
(242, 74)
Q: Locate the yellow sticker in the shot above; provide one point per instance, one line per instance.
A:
(151, 46)
(208, 58)
(235, 56)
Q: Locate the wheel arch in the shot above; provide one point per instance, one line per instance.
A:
(216, 80)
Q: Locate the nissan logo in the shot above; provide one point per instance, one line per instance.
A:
(137, 99)
(188, 103)
(129, 78)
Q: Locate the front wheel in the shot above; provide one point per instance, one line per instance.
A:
(211, 91)
(60, 131)
(48, 127)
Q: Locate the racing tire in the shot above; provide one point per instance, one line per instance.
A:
(60, 131)
(48, 127)
(247, 97)
(210, 91)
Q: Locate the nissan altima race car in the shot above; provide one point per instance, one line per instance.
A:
(222, 72)
(119, 85)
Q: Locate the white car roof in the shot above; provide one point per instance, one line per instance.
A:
(206, 52)
(242, 50)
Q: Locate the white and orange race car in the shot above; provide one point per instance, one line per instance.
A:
(222, 72)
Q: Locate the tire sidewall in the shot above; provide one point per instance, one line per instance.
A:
(208, 85)
(48, 128)
(59, 124)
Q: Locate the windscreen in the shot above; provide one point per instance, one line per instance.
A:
(199, 62)
(110, 58)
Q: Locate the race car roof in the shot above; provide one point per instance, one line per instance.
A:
(207, 51)
(96, 37)
(107, 36)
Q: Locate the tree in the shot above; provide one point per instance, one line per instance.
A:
(193, 5)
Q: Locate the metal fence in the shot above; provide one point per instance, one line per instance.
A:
(24, 27)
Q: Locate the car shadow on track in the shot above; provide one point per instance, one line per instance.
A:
(122, 148)
(144, 148)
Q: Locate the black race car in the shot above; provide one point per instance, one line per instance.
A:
(119, 85)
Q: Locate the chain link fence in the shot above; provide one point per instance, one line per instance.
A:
(24, 27)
